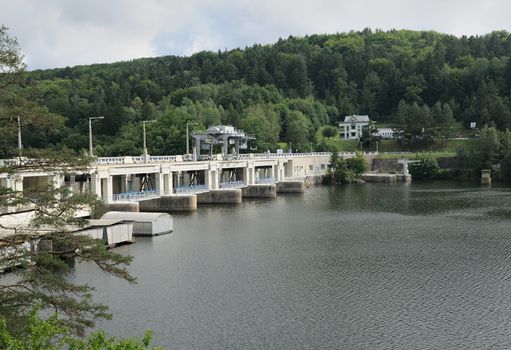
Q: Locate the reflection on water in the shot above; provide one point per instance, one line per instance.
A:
(374, 266)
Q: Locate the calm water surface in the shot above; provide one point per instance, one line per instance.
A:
(374, 266)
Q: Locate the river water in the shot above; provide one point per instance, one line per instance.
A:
(373, 266)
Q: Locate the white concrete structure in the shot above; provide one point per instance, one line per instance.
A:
(114, 231)
(144, 224)
(94, 231)
(353, 126)
(386, 133)
(224, 135)
(111, 231)
(128, 179)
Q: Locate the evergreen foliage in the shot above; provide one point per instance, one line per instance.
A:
(357, 164)
(40, 278)
(485, 152)
(421, 81)
(345, 171)
(426, 168)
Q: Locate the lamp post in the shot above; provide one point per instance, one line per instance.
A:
(376, 147)
(145, 155)
(187, 136)
(20, 145)
(290, 147)
(90, 133)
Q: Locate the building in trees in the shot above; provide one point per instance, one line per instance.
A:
(353, 126)
(386, 133)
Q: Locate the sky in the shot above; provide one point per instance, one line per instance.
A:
(60, 33)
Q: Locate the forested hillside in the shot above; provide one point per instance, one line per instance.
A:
(285, 91)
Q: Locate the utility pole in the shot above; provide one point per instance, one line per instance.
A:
(145, 155)
(90, 134)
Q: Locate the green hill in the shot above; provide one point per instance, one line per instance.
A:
(285, 91)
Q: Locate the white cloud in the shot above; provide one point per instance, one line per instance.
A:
(57, 33)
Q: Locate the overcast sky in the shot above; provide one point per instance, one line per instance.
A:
(59, 33)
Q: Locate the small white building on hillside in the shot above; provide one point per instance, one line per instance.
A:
(386, 133)
(352, 126)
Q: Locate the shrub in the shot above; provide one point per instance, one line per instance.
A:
(426, 168)
(358, 164)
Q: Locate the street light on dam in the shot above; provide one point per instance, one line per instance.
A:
(90, 133)
(20, 144)
(145, 155)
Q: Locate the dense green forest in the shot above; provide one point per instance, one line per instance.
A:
(421, 81)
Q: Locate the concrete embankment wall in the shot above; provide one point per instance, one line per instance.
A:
(259, 191)
(291, 187)
(391, 165)
(170, 203)
(386, 166)
(403, 178)
(314, 180)
(228, 196)
(128, 206)
(388, 178)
